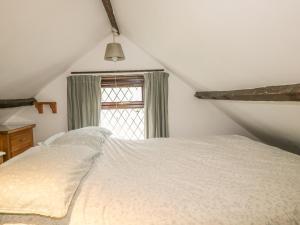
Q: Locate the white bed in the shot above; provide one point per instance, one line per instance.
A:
(221, 180)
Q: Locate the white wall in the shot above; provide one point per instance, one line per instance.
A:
(5, 114)
(189, 117)
(47, 123)
(276, 123)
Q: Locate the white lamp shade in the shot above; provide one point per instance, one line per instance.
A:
(114, 52)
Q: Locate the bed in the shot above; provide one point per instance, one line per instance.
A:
(219, 180)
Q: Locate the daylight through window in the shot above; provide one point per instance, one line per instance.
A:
(122, 107)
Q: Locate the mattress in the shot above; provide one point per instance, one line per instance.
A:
(221, 180)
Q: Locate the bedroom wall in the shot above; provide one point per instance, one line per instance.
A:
(276, 123)
(189, 117)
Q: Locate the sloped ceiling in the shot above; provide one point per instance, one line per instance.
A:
(40, 39)
(222, 45)
(219, 44)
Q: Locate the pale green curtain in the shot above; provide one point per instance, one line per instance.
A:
(156, 105)
(84, 93)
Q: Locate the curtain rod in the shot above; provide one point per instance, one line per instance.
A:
(118, 71)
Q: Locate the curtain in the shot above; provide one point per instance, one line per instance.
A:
(84, 93)
(156, 105)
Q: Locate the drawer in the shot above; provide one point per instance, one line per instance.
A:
(19, 151)
(15, 139)
(20, 141)
(1, 158)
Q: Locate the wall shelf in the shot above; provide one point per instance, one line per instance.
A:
(40, 106)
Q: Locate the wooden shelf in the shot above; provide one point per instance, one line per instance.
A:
(40, 106)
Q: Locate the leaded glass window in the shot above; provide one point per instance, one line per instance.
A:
(122, 109)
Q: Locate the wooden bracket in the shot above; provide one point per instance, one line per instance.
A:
(40, 106)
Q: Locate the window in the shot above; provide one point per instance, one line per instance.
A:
(122, 107)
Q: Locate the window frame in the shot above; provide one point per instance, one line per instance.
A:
(119, 81)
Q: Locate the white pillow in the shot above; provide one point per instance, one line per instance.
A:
(93, 137)
(49, 140)
(94, 131)
(44, 183)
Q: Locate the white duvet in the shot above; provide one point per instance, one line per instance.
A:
(227, 180)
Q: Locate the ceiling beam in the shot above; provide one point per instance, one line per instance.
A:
(270, 93)
(11, 103)
(110, 13)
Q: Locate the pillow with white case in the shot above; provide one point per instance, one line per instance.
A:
(51, 139)
(93, 137)
(44, 182)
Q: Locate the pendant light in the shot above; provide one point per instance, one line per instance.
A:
(114, 51)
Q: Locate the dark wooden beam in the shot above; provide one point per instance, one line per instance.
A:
(12, 103)
(110, 13)
(118, 71)
(270, 93)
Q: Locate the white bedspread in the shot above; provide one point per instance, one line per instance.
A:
(227, 180)
(221, 180)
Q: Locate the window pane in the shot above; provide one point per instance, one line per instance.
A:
(124, 123)
(120, 94)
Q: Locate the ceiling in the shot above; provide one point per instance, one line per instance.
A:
(40, 39)
(218, 44)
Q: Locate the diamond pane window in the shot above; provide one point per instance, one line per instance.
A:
(122, 94)
(122, 109)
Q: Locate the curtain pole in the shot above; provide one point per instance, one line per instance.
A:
(117, 71)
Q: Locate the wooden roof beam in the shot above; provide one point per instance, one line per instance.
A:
(270, 93)
(11, 103)
(110, 13)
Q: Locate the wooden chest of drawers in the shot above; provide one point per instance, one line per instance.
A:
(15, 139)
(2, 157)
